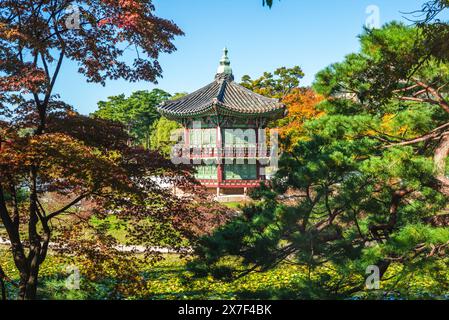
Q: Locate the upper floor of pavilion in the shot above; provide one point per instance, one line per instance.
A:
(223, 98)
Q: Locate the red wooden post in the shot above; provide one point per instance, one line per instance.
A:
(257, 155)
(187, 137)
(187, 142)
(219, 160)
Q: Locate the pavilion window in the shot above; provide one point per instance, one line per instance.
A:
(237, 171)
(195, 137)
(209, 137)
(203, 137)
(240, 138)
(206, 172)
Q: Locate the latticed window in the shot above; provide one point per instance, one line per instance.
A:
(240, 171)
(203, 137)
(239, 137)
(206, 172)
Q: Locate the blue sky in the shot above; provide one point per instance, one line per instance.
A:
(308, 33)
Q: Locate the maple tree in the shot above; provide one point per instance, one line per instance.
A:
(301, 102)
(47, 148)
(302, 105)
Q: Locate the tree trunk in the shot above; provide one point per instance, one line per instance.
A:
(31, 288)
(3, 288)
(29, 280)
(30, 277)
(22, 286)
(2, 283)
(440, 156)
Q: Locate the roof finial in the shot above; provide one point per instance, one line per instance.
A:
(225, 64)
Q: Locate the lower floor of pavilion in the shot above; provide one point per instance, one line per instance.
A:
(229, 180)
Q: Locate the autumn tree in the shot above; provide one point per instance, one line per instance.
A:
(45, 145)
(302, 103)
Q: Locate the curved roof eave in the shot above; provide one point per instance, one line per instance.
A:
(223, 109)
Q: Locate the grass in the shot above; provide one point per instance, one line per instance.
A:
(237, 205)
(114, 225)
(171, 280)
(168, 279)
(233, 205)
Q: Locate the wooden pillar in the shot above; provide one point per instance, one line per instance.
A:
(219, 148)
(219, 155)
(257, 154)
(186, 136)
(186, 149)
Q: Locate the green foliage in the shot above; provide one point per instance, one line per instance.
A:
(164, 134)
(22, 195)
(123, 231)
(355, 192)
(172, 278)
(277, 84)
(137, 112)
(436, 28)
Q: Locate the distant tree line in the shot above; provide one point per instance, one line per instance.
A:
(138, 113)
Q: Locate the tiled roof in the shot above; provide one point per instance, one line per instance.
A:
(223, 96)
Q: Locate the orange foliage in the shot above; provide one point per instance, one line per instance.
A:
(301, 105)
